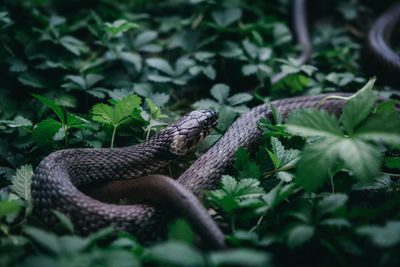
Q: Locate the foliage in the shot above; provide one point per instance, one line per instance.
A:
(318, 190)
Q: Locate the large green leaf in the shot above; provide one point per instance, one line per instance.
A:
(21, 182)
(358, 107)
(312, 122)
(53, 106)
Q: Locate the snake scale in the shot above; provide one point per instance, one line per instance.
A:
(57, 178)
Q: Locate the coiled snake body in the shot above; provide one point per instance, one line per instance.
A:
(57, 177)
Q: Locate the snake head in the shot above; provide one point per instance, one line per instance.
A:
(189, 130)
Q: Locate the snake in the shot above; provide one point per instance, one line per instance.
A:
(84, 183)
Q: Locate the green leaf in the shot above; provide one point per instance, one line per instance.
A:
(382, 236)
(380, 128)
(361, 158)
(336, 222)
(315, 161)
(240, 98)
(332, 202)
(44, 239)
(45, 130)
(300, 234)
(21, 182)
(53, 106)
(393, 163)
(74, 45)
(312, 122)
(119, 26)
(226, 17)
(206, 104)
(66, 222)
(240, 257)
(19, 121)
(358, 107)
(75, 121)
(226, 117)
(174, 253)
(251, 49)
(180, 230)
(220, 92)
(233, 193)
(104, 114)
(8, 208)
(249, 69)
(161, 65)
(245, 166)
(32, 79)
(155, 111)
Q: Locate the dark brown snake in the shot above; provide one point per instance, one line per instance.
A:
(58, 177)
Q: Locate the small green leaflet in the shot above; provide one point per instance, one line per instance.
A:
(382, 236)
(53, 106)
(282, 158)
(233, 192)
(45, 130)
(246, 167)
(118, 114)
(21, 182)
(119, 26)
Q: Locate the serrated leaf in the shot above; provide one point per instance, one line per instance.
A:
(332, 202)
(104, 114)
(67, 101)
(66, 222)
(18, 121)
(144, 38)
(300, 234)
(220, 92)
(226, 117)
(32, 79)
(358, 107)
(53, 106)
(361, 158)
(336, 222)
(74, 45)
(245, 166)
(240, 98)
(45, 130)
(240, 257)
(44, 239)
(205, 104)
(383, 236)
(383, 127)
(251, 49)
(119, 26)
(21, 182)
(233, 193)
(285, 176)
(174, 253)
(226, 17)
(249, 69)
(311, 122)
(314, 164)
(92, 79)
(161, 65)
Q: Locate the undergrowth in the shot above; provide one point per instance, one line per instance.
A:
(320, 190)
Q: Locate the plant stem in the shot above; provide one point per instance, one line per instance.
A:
(149, 129)
(113, 136)
(332, 184)
(66, 135)
(331, 97)
(284, 168)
